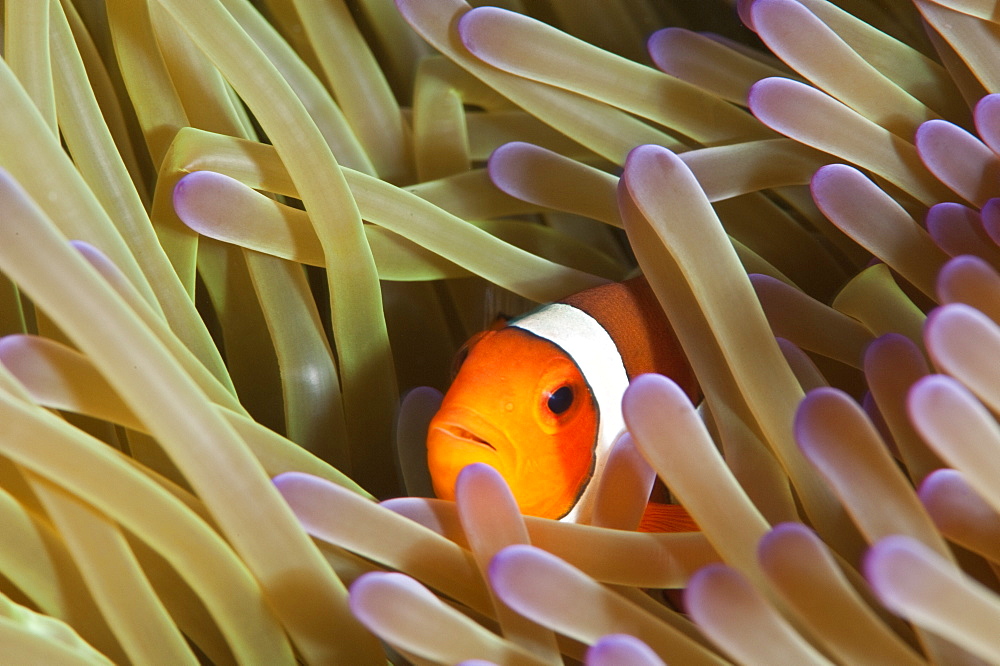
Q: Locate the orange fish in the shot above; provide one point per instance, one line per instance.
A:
(539, 400)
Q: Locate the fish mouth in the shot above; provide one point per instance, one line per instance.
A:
(465, 435)
(457, 441)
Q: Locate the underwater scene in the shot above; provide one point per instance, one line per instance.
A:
(525, 333)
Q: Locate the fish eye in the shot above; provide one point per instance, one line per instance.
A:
(560, 400)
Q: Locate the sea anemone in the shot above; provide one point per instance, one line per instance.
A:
(241, 242)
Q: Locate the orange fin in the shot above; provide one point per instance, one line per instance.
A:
(666, 518)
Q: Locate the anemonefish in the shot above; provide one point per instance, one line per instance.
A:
(539, 400)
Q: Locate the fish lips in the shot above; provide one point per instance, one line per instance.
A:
(460, 437)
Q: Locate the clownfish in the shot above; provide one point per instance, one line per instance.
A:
(538, 398)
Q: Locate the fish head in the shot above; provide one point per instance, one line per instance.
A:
(520, 404)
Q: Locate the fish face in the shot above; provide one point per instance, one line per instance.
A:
(521, 405)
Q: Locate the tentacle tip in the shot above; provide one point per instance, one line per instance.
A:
(641, 156)
(820, 396)
(504, 565)
(503, 162)
(945, 318)
(83, 247)
(651, 386)
(504, 150)
(621, 649)
(811, 413)
(785, 529)
(987, 111)
(289, 483)
(760, 11)
(881, 561)
(935, 482)
(505, 556)
(991, 208)
(877, 348)
(365, 596)
(186, 192)
(927, 390)
(961, 264)
(476, 23)
(767, 91)
(831, 179)
(744, 11)
(697, 595)
(473, 475)
(659, 40)
(285, 478)
(928, 129)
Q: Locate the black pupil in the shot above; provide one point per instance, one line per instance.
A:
(560, 400)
